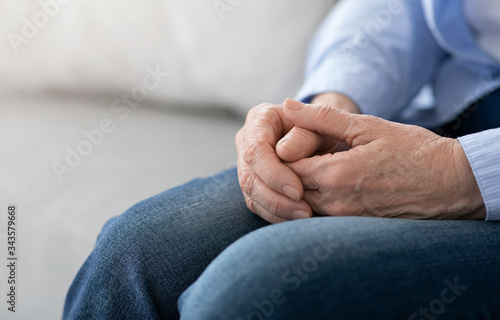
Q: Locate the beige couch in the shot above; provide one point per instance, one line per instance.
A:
(75, 151)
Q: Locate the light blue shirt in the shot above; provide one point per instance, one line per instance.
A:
(413, 62)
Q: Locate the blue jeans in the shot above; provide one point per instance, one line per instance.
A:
(200, 240)
(320, 268)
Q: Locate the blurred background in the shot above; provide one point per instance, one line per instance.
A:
(105, 103)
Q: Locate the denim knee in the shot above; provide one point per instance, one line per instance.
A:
(147, 256)
(346, 268)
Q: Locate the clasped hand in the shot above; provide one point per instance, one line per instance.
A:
(297, 161)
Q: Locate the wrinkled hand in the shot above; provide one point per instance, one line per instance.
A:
(291, 147)
(391, 170)
(270, 188)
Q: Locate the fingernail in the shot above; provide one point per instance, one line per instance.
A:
(300, 214)
(293, 104)
(291, 192)
(292, 145)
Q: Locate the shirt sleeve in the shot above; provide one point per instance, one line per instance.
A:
(483, 152)
(377, 52)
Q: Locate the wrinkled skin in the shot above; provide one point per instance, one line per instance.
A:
(320, 159)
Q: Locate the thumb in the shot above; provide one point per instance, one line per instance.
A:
(330, 121)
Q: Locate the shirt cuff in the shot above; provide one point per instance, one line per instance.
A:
(483, 152)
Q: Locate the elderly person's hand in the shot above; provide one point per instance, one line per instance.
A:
(270, 188)
(391, 170)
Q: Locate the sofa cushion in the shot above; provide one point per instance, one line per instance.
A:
(217, 53)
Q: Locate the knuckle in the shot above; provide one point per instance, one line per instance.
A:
(250, 204)
(369, 119)
(323, 112)
(342, 184)
(266, 107)
(263, 123)
(247, 182)
(250, 153)
(369, 122)
(262, 108)
(275, 204)
(267, 112)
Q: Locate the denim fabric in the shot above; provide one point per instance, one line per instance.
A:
(146, 257)
(321, 268)
(353, 268)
